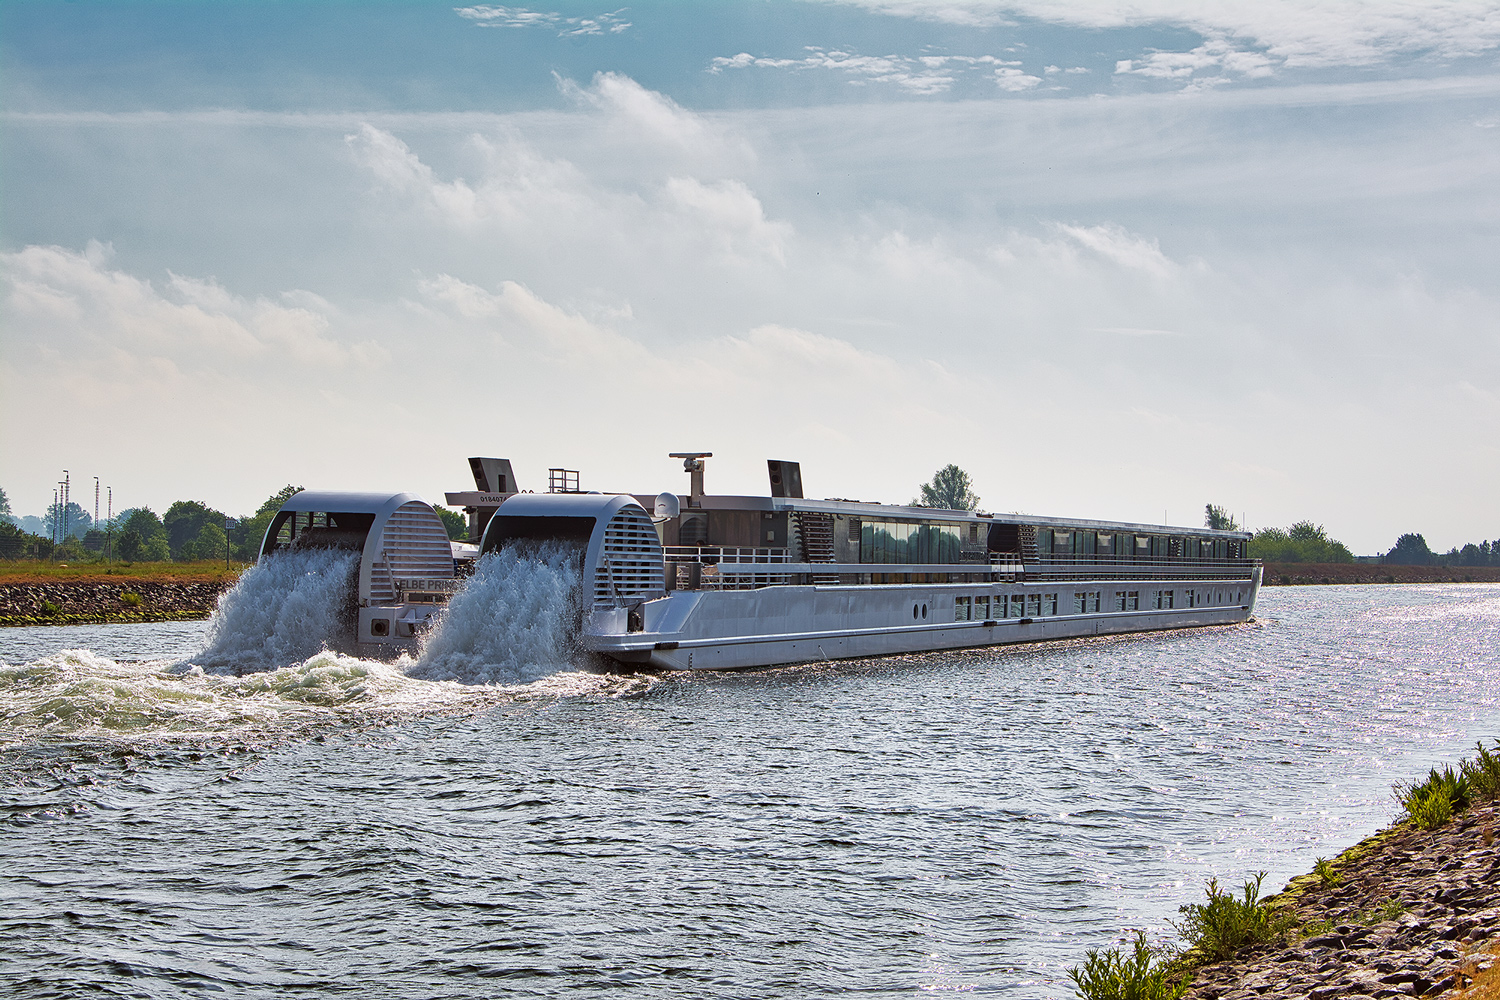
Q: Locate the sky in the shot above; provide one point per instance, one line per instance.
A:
(1114, 259)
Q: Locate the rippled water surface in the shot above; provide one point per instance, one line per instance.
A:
(960, 821)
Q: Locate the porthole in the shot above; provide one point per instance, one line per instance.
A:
(913, 612)
(924, 612)
(380, 626)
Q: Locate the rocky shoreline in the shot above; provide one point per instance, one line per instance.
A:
(79, 602)
(1413, 913)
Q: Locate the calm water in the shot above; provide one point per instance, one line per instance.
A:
(966, 821)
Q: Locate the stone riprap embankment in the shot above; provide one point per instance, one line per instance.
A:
(73, 602)
(1447, 881)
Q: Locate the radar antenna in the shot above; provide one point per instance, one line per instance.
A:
(692, 464)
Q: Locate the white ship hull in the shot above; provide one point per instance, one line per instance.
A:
(736, 629)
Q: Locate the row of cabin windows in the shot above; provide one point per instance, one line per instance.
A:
(1072, 543)
(901, 542)
(1087, 602)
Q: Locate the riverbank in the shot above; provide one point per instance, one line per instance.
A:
(46, 594)
(1294, 574)
(1411, 913)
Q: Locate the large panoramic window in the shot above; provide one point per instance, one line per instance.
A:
(897, 542)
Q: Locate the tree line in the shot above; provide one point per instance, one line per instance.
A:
(1306, 542)
(188, 531)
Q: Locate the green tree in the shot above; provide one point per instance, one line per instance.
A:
(184, 520)
(1303, 542)
(129, 547)
(456, 523)
(4, 506)
(146, 525)
(1410, 550)
(209, 544)
(950, 489)
(252, 530)
(1218, 518)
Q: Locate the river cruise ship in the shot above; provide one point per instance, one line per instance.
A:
(700, 581)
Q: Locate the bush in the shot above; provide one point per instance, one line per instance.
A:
(49, 609)
(1326, 873)
(1227, 923)
(1432, 802)
(1483, 773)
(130, 599)
(1110, 975)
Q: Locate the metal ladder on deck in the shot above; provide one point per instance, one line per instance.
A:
(815, 535)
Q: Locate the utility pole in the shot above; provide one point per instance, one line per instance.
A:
(109, 536)
(67, 498)
(96, 503)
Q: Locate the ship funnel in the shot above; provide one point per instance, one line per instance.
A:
(493, 475)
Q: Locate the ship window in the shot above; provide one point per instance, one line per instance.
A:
(1093, 603)
(1080, 603)
(981, 608)
(1044, 541)
(899, 542)
(1016, 606)
(1143, 545)
(1133, 600)
(1189, 598)
(1062, 543)
(1033, 605)
(1165, 598)
(974, 533)
(1050, 602)
(1119, 600)
(1105, 545)
(960, 609)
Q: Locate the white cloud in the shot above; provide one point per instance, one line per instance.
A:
(1216, 54)
(731, 214)
(193, 324)
(496, 16)
(1015, 81)
(928, 74)
(1295, 33)
(1124, 248)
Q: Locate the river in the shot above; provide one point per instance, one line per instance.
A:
(967, 821)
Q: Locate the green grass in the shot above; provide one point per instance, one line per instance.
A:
(1111, 974)
(1326, 873)
(30, 571)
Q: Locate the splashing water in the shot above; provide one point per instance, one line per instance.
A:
(513, 623)
(285, 609)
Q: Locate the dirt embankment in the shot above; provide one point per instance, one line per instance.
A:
(1288, 574)
(1414, 913)
(76, 602)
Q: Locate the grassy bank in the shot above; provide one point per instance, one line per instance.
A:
(209, 571)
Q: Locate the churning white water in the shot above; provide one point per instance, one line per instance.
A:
(285, 609)
(513, 623)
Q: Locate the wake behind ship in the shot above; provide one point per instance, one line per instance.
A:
(700, 581)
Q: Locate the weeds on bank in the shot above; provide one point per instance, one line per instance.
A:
(1110, 974)
(1226, 922)
(1213, 929)
(1326, 873)
(1440, 796)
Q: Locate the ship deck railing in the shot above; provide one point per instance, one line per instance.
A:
(710, 567)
